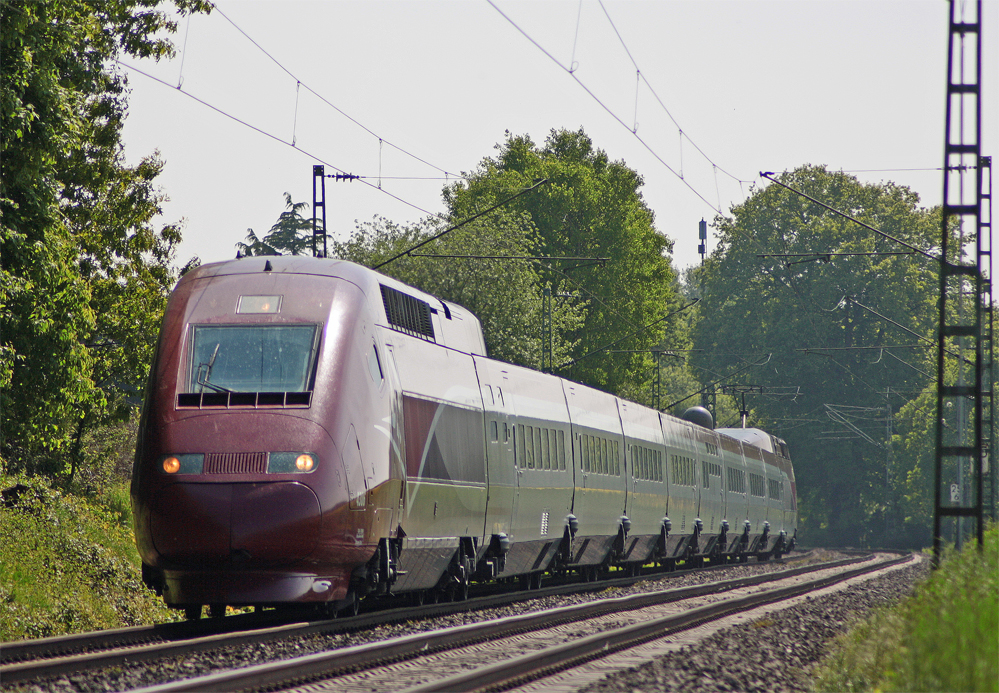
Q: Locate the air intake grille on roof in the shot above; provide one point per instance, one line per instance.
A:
(408, 314)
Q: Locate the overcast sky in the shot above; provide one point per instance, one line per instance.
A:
(409, 94)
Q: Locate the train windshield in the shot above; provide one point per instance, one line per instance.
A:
(252, 358)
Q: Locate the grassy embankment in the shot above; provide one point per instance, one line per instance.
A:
(945, 637)
(68, 562)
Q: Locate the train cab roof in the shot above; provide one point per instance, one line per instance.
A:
(752, 436)
(398, 306)
(758, 438)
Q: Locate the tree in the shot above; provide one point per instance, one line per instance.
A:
(83, 274)
(506, 295)
(590, 207)
(290, 234)
(781, 291)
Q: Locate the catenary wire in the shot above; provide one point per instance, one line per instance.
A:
(643, 78)
(607, 108)
(322, 98)
(276, 138)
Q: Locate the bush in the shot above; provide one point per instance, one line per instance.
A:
(945, 637)
(69, 563)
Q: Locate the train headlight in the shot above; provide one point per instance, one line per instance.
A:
(292, 462)
(182, 464)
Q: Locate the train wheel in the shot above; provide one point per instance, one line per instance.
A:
(192, 612)
(468, 567)
(535, 581)
(216, 610)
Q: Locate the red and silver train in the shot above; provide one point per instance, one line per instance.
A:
(314, 432)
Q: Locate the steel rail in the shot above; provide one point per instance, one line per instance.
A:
(360, 657)
(54, 656)
(58, 645)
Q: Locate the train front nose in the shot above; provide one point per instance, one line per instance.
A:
(240, 489)
(265, 524)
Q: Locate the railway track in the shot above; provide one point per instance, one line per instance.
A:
(56, 656)
(242, 630)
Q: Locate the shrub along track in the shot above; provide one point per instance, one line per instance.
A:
(240, 633)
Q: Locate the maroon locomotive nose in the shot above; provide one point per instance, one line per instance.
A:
(253, 525)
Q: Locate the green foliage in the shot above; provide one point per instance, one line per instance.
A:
(591, 207)
(801, 319)
(68, 564)
(291, 234)
(506, 295)
(83, 274)
(943, 638)
(912, 468)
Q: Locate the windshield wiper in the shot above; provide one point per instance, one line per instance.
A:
(208, 373)
(217, 388)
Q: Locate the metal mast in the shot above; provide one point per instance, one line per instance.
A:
(318, 201)
(960, 456)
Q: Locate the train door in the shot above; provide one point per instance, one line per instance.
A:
(736, 498)
(598, 443)
(644, 473)
(712, 507)
(397, 442)
(501, 471)
(682, 474)
(756, 483)
(543, 469)
(505, 433)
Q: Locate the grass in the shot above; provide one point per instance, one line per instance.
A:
(68, 563)
(945, 637)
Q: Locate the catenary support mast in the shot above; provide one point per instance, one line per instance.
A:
(962, 397)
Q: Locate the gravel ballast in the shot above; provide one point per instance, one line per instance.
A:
(774, 653)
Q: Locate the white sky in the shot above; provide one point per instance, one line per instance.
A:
(757, 86)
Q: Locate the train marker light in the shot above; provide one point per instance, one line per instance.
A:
(191, 463)
(304, 463)
(291, 462)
